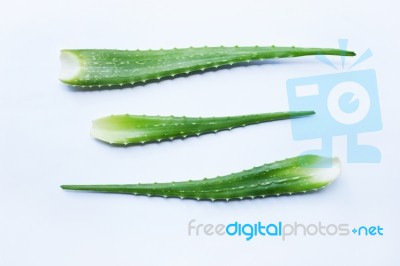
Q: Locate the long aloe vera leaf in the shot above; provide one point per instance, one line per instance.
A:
(96, 67)
(140, 129)
(294, 175)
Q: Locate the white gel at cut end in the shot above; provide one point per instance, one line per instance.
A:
(70, 66)
(328, 174)
(105, 130)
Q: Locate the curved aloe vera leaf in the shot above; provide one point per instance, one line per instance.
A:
(95, 67)
(138, 129)
(294, 175)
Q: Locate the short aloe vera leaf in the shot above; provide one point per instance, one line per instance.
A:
(96, 67)
(294, 175)
(141, 129)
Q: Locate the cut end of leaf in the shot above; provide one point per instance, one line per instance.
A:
(70, 66)
(117, 129)
(326, 170)
(103, 131)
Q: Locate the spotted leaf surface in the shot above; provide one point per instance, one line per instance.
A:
(140, 129)
(95, 67)
(294, 175)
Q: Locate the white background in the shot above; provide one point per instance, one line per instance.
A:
(45, 142)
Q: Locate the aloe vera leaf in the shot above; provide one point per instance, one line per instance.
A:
(140, 129)
(96, 67)
(294, 175)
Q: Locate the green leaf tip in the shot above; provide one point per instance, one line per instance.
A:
(300, 174)
(140, 129)
(102, 67)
